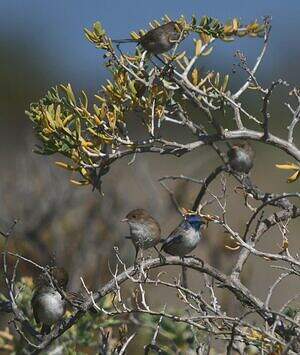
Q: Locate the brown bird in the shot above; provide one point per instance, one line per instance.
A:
(145, 231)
(240, 157)
(158, 40)
(47, 303)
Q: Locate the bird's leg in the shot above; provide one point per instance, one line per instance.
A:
(184, 275)
(247, 181)
(167, 66)
(136, 256)
(162, 258)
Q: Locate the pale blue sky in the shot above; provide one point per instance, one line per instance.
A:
(56, 28)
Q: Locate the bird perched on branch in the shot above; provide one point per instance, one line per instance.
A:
(158, 40)
(185, 237)
(47, 303)
(240, 157)
(145, 231)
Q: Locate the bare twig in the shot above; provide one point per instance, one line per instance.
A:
(266, 100)
(258, 61)
(125, 345)
(296, 115)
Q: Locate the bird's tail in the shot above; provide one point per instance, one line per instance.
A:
(125, 40)
(184, 277)
(79, 300)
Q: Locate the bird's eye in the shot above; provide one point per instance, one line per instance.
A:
(134, 216)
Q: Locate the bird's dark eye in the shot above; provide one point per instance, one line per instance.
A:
(134, 216)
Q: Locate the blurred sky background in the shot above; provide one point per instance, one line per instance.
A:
(42, 42)
(41, 45)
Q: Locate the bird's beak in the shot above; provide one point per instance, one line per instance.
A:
(124, 220)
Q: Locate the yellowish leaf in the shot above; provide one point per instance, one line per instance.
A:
(86, 144)
(237, 247)
(235, 24)
(288, 166)
(96, 119)
(198, 47)
(225, 83)
(205, 38)
(134, 36)
(207, 52)
(294, 177)
(67, 119)
(195, 76)
(180, 56)
(6, 334)
(68, 90)
(79, 183)
(112, 119)
(65, 166)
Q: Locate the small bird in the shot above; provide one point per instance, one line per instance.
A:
(158, 40)
(185, 237)
(240, 157)
(47, 303)
(145, 231)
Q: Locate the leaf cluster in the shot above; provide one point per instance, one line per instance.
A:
(92, 135)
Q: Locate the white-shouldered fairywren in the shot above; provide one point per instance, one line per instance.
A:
(240, 157)
(47, 303)
(158, 40)
(185, 237)
(145, 231)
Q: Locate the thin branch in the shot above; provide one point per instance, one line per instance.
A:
(258, 61)
(296, 116)
(173, 198)
(266, 100)
(205, 185)
(272, 288)
(125, 345)
(263, 205)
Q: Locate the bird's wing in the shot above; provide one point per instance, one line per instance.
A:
(76, 299)
(176, 236)
(173, 240)
(155, 227)
(34, 308)
(79, 301)
(231, 153)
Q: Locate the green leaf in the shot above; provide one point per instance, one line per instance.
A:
(217, 79)
(225, 83)
(68, 90)
(85, 101)
(98, 29)
(78, 127)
